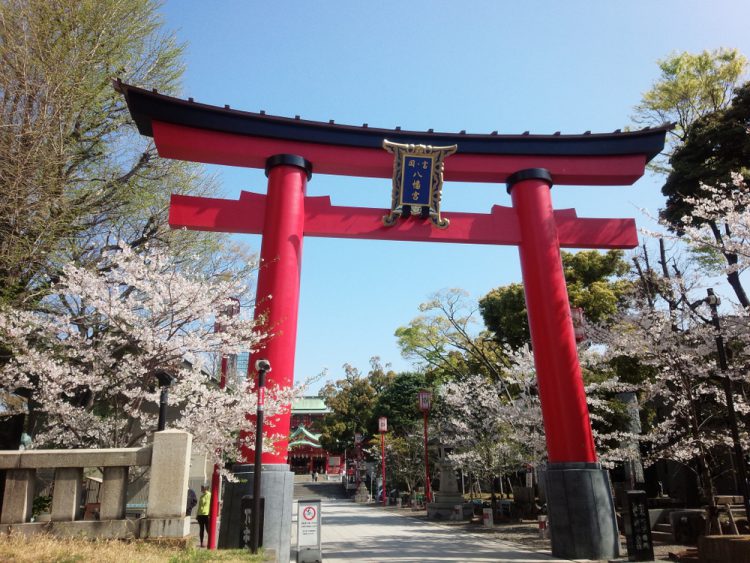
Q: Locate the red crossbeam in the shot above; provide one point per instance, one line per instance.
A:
(216, 147)
(322, 219)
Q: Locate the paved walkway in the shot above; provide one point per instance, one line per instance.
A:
(353, 532)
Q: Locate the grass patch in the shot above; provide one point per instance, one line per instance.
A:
(44, 548)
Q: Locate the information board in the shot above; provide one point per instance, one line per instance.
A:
(308, 531)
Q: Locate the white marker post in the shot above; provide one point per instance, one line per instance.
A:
(308, 532)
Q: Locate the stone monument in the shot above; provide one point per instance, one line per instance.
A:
(443, 508)
(362, 495)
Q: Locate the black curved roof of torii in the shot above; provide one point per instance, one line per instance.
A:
(146, 106)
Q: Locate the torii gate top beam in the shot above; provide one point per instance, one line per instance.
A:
(186, 130)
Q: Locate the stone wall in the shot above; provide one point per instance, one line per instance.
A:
(168, 459)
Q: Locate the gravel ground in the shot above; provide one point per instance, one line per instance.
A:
(526, 533)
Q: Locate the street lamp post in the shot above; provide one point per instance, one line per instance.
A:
(425, 401)
(262, 367)
(383, 427)
(739, 460)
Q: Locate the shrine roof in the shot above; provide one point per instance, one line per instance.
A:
(148, 106)
(301, 430)
(309, 405)
(304, 443)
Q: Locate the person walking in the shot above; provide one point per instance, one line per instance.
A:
(204, 506)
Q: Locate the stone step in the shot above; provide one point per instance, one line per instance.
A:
(319, 490)
(663, 537)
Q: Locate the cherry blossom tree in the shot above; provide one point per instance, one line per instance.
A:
(686, 405)
(404, 453)
(667, 340)
(488, 433)
(89, 359)
(719, 225)
(496, 427)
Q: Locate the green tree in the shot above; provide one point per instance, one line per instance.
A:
(76, 176)
(398, 401)
(446, 343)
(404, 458)
(504, 312)
(594, 282)
(690, 86)
(716, 146)
(352, 401)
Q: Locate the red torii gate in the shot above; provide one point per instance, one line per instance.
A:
(579, 500)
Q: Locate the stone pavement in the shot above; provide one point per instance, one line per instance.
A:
(352, 532)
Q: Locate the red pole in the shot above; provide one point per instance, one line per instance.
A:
(213, 513)
(215, 478)
(382, 450)
(565, 413)
(427, 489)
(277, 295)
(358, 450)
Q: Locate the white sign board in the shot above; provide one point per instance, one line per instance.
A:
(308, 531)
(425, 400)
(383, 424)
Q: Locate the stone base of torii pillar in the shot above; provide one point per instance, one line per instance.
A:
(276, 490)
(581, 512)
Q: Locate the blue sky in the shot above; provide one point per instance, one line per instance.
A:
(477, 65)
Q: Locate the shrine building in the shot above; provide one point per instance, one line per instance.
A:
(305, 452)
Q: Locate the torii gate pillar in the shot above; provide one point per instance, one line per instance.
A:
(277, 293)
(276, 308)
(581, 512)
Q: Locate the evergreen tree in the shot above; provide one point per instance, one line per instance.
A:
(595, 283)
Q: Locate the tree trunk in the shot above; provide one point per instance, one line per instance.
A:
(733, 277)
(734, 280)
(703, 469)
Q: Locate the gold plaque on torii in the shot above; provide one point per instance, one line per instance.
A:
(417, 182)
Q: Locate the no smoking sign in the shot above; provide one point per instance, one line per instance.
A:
(309, 513)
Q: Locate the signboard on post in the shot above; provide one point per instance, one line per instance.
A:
(425, 400)
(638, 527)
(246, 505)
(382, 424)
(308, 532)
